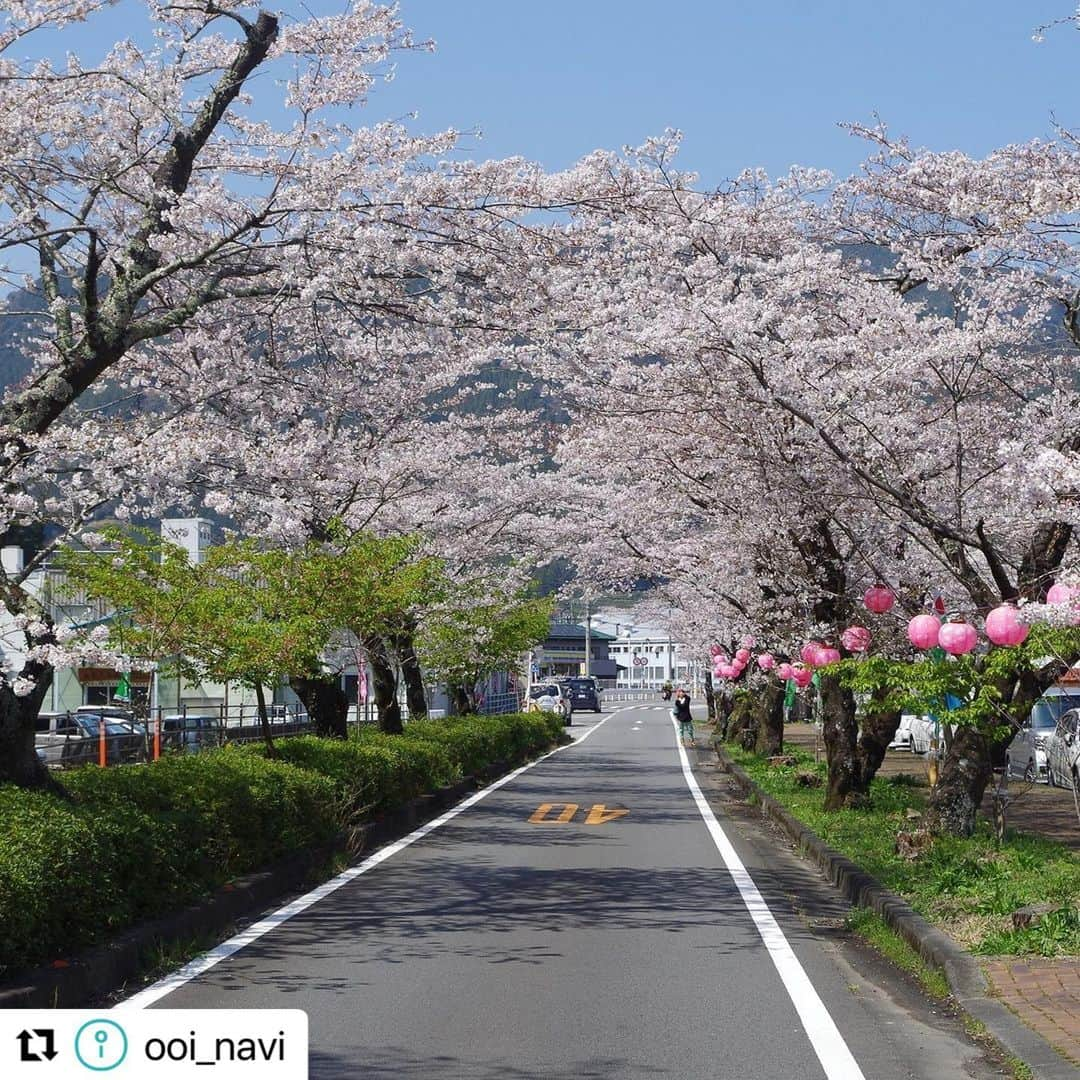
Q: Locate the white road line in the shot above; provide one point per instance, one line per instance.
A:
(158, 990)
(829, 1045)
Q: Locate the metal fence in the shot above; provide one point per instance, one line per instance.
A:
(110, 735)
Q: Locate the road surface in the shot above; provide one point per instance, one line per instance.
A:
(588, 917)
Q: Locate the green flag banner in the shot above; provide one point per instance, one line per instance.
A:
(789, 693)
(123, 689)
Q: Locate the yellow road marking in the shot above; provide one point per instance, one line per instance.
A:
(600, 815)
(540, 815)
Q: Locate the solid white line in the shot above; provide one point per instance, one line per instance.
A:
(156, 991)
(833, 1053)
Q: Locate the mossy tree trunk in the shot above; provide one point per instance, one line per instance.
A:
(411, 675)
(770, 719)
(965, 773)
(326, 704)
(384, 686)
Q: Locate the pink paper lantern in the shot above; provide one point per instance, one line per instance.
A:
(730, 671)
(802, 677)
(1061, 594)
(879, 598)
(855, 639)
(743, 655)
(957, 638)
(809, 651)
(766, 661)
(923, 631)
(1003, 626)
(826, 655)
(785, 672)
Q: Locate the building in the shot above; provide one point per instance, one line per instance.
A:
(563, 652)
(647, 656)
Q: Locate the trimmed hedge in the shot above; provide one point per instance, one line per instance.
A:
(141, 840)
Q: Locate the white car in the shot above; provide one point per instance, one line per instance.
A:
(914, 734)
(551, 697)
(1063, 751)
(1026, 754)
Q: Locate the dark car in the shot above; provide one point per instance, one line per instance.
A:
(191, 732)
(584, 693)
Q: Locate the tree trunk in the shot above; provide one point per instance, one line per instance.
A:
(462, 699)
(384, 686)
(840, 731)
(415, 698)
(710, 697)
(742, 728)
(19, 762)
(264, 721)
(325, 702)
(770, 720)
(965, 772)
(878, 730)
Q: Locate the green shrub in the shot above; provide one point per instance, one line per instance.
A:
(376, 771)
(137, 841)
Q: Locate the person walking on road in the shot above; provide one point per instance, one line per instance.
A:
(681, 712)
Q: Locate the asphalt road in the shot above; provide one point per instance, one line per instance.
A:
(580, 922)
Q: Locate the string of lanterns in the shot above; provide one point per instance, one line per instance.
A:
(926, 631)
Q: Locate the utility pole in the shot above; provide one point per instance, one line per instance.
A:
(588, 639)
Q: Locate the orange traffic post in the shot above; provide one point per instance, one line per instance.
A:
(102, 749)
(157, 736)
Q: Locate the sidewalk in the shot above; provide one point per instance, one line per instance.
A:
(1044, 993)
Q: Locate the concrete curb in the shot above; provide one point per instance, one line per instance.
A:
(966, 980)
(95, 973)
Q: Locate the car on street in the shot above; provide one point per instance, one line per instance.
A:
(1063, 751)
(1025, 757)
(584, 693)
(551, 697)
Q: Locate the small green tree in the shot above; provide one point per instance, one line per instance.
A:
(222, 620)
(478, 632)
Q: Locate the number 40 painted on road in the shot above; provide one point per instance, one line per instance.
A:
(563, 813)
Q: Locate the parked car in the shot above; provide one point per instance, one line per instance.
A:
(68, 739)
(1063, 751)
(913, 734)
(191, 732)
(551, 697)
(122, 714)
(1026, 755)
(584, 693)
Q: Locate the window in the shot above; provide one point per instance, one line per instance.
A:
(41, 724)
(98, 695)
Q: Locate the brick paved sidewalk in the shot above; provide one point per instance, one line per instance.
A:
(1045, 995)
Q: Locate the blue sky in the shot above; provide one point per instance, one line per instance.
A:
(749, 82)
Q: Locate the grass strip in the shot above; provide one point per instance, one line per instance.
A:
(967, 886)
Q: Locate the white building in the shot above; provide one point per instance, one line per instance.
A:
(646, 656)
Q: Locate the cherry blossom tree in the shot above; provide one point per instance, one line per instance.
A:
(198, 204)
